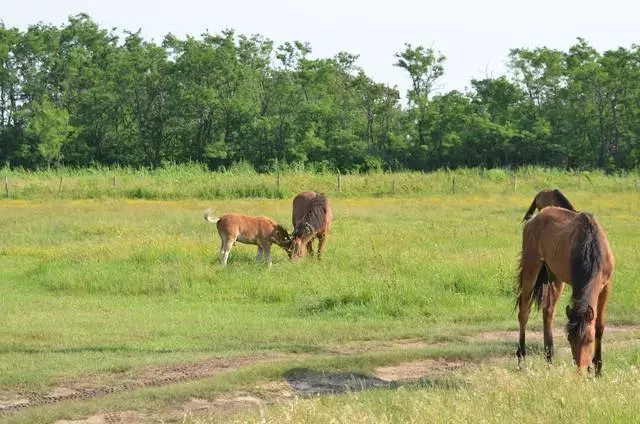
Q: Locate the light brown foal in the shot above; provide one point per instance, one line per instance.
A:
(256, 230)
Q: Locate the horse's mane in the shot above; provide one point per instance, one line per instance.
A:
(586, 263)
(563, 202)
(314, 218)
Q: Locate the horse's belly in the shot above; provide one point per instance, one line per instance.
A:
(246, 239)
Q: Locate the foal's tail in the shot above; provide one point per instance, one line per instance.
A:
(208, 216)
(531, 210)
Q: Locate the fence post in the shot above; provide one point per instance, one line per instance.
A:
(6, 186)
(515, 182)
(393, 186)
(278, 182)
(339, 182)
(453, 185)
(60, 186)
(113, 182)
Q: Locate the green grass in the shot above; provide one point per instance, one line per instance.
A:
(101, 285)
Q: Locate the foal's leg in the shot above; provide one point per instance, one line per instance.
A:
(554, 291)
(602, 306)
(528, 276)
(227, 244)
(259, 254)
(267, 250)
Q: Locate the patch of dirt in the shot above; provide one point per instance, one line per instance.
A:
(558, 331)
(94, 386)
(298, 382)
(123, 417)
(306, 382)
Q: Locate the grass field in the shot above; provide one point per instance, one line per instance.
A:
(100, 291)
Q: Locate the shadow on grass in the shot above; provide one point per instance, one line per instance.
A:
(307, 382)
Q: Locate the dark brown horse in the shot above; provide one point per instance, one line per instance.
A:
(558, 246)
(548, 198)
(311, 217)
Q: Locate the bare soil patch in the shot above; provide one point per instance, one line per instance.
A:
(298, 382)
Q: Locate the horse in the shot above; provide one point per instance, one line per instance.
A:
(311, 218)
(561, 246)
(256, 230)
(548, 198)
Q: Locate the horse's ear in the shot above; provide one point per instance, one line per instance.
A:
(589, 315)
(568, 310)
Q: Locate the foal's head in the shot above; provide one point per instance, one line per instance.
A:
(581, 333)
(281, 237)
(299, 239)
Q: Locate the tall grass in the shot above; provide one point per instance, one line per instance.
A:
(241, 181)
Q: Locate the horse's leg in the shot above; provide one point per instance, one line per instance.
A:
(602, 306)
(310, 247)
(528, 276)
(259, 254)
(549, 314)
(322, 238)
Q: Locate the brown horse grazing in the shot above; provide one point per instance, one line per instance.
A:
(548, 198)
(559, 245)
(257, 230)
(311, 217)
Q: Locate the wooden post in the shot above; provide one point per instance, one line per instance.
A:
(278, 182)
(393, 186)
(453, 185)
(60, 186)
(6, 186)
(515, 182)
(113, 182)
(339, 183)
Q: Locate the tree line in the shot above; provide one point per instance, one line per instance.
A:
(80, 95)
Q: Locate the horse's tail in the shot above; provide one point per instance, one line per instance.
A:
(531, 210)
(208, 216)
(563, 202)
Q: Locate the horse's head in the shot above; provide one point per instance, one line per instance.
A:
(299, 239)
(581, 334)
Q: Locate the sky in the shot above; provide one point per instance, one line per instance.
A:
(475, 36)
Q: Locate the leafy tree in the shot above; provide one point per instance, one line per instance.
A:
(50, 125)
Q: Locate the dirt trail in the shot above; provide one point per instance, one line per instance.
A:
(299, 382)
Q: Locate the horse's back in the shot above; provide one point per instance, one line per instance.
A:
(553, 233)
(301, 204)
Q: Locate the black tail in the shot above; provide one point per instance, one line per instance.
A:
(563, 202)
(531, 210)
(542, 280)
(586, 263)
